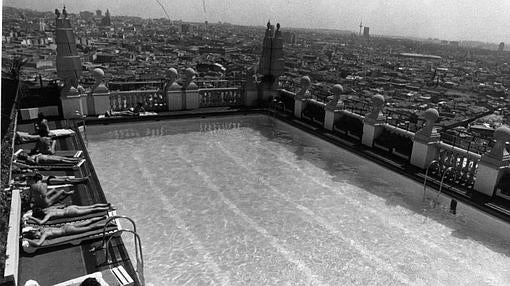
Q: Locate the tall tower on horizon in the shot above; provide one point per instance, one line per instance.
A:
(366, 32)
(68, 60)
(360, 27)
(106, 21)
(501, 47)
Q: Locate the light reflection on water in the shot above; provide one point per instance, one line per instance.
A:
(250, 201)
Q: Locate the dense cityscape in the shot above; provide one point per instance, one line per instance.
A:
(250, 155)
(461, 80)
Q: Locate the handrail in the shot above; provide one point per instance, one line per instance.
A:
(426, 178)
(442, 180)
(116, 217)
(138, 245)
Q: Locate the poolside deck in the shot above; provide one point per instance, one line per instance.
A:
(58, 264)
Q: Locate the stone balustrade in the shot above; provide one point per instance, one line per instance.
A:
(214, 97)
(221, 83)
(151, 100)
(458, 165)
(287, 100)
(314, 111)
(475, 165)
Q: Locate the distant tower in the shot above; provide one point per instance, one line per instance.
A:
(271, 64)
(501, 47)
(360, 27)
(366, 32)
(42, 25)
(68, 60)
(106, 21)
(99, 13)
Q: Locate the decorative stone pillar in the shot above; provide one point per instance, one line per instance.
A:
(332, 106)
(173, 91)
(251, 92)
(72, 105)
(191, 97)
(100, 94)
(425, 141)
(302, 95)
(493, 163)
(271, 64)
(374, 121)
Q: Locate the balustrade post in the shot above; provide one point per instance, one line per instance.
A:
(191, 97)
(373, 125)
(302, 95)
(251, 93)
(99, 99)
(492, 163)
(332, 106)
(425, 141)
(74, 104)
(173, 91)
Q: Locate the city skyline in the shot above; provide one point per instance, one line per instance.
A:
(448, 20)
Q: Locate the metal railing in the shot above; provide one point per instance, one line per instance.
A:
(137, 241)
(357, 106)
(404, 120)
(467, 141)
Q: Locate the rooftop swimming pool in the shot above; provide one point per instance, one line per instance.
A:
(249, 200)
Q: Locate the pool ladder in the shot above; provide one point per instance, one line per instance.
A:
(137, 241)
(443, 175)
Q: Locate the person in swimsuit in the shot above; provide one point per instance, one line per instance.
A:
(42, 159)
(28, 178)
(37, 236)
(43, 198)
(44, 145)
(41, 216)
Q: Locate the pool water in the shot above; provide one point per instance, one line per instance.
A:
(250, 200)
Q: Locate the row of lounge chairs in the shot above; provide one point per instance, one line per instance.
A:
(97, 229)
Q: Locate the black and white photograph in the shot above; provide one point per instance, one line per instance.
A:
(241, 142)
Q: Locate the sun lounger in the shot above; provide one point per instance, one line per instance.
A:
(28, 165)
(25, 165)
(61, 221)
(116, 276)
(75, 239)
(25, 137)
(62, 153)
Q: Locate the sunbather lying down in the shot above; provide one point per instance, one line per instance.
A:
(36, 236)
(29, 178)
(42, 159)
(41, 216)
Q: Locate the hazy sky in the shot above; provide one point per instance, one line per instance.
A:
(444, 19)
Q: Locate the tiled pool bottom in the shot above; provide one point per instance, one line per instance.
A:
(251, 201)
